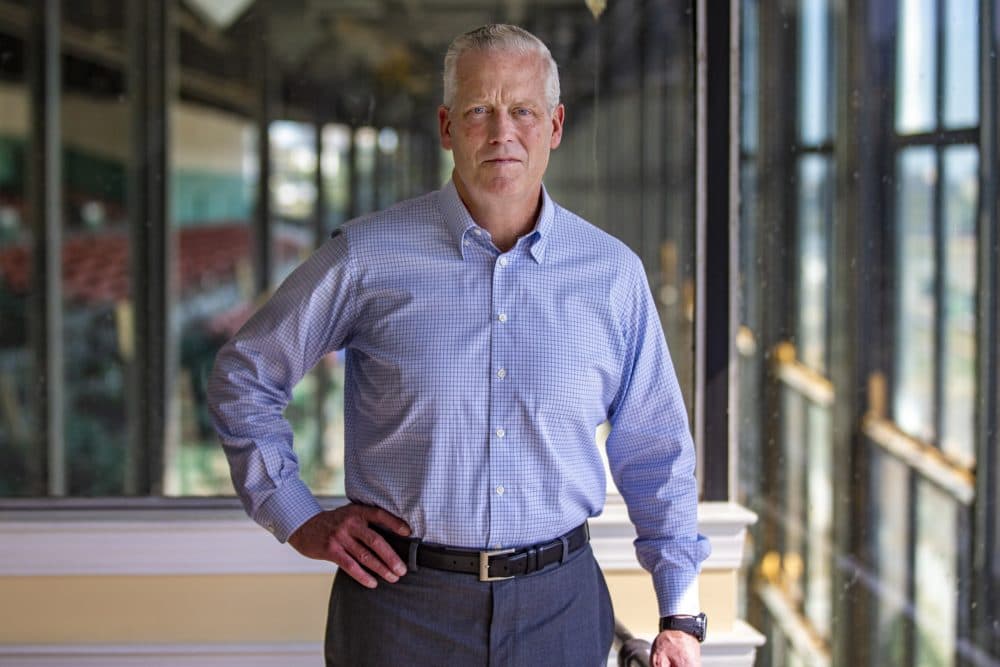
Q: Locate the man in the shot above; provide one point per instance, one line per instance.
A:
(488, 333)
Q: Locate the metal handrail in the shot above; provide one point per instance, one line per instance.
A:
(632, 651)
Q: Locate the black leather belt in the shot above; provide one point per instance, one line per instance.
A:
(489, 565)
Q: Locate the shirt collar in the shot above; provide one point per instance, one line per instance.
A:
(459, 221)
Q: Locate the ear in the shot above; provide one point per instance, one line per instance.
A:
(444, 127)
(558, 116)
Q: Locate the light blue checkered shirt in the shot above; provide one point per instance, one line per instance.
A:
(475, 381)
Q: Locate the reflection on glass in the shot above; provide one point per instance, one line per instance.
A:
(793, 434)
(891, 493)
(213, 187)
(293, 170)
(935, 568)
(97, 283)
(749, 75)
(916, 66)
(961, 71)
(961, 200)
(388, 166)
(815, 213)
(819, 520)
(20, 465)
(293, 194)
(336, 174)
(916, 259)
(815, 72)
(365, 146)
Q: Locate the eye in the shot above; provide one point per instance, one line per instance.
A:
(477, 111)
(523, 112)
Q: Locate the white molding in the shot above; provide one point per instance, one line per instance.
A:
(290, 654)
(207, 542)
(734, 649)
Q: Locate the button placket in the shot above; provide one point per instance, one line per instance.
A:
(502, 450)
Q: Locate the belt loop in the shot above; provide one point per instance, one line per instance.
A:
(411, 560)
(565, 551)
(532, 565)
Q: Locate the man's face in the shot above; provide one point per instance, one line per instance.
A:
(499, 127)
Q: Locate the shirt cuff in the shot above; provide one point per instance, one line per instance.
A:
(290, 506)
(688, 602)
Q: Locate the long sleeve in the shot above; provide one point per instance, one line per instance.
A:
(652, 458)
(310, 315)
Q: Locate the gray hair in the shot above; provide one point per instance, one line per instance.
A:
(500, 37)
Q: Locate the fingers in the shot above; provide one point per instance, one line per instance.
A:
(386, 555)
(375, 560)
(386, 520)
(359, 550)
(345, 537)
(350, 566)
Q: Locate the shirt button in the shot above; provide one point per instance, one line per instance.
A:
(501, 433)
(502, 317)
(477, 231)
(503, 261)
(502, 373)
(500, 490)
(466, 242)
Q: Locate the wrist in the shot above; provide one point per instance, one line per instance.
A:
(696, 626)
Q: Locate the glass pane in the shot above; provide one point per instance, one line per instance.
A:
(365, 147)
(936, 570)
(749, 75)
(815, 213)
(293, 194)
(819, 521)
(20, 464)
(336, 174)
(916, 307)
(97, 266)
(214, 179)
(891, 492)
(816, 75)
(794, 455)
(961, 73)
(961, 201)
(388, 180)
(916, 66)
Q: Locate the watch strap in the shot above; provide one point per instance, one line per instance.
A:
(696, 626)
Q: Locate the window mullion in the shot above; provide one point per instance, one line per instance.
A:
(45, 314)
(986, 521)
(151, 82)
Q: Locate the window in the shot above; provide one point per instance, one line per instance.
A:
(863, 279)
(350, 126)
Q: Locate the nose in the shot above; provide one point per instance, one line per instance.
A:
(501, 127)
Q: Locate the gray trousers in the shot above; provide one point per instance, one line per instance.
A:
(559, 616)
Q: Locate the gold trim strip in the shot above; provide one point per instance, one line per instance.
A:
(929, 461)
(800, 377)
(796, 629)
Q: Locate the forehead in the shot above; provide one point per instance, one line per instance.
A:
(495, 72)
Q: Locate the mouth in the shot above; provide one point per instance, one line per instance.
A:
(502, 161)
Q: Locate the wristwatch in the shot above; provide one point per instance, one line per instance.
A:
(696, 626)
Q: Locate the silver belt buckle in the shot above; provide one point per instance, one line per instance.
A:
(484, 564)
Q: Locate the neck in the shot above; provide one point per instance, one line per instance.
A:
(506, 219)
